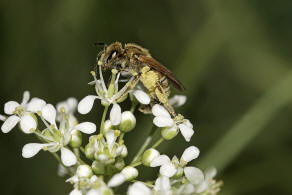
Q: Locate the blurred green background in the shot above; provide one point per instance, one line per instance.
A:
(234, 58)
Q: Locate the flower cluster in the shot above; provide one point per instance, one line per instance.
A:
(101, 166)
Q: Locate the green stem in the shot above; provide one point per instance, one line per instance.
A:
(136, 164)
(82, 149)
(103, 119)
(158, 142)
(133, 107)
(145, 145)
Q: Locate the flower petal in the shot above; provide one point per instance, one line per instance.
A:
(30, 150)
(2, 117)
(86, 127)
(75, 192)
(49, 113)
(25, 98)
(69, 105)
(188, 123)
(68, 157)
(138, 188)
(186, 131)
(110, 138)
(142, 97)
(177, 100)
(168, 170)
(86, 104)
(72, 104)
(35, 105)
(162, 184)
(10, 107)
(116, 114)
(210, 173)
(194, 175)
(116, 180)
(161, 121)
(27, 123)
(160, 160)
(190, 154)
(10, 123)
(158, 110)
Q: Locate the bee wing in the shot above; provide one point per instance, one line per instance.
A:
(154, 64)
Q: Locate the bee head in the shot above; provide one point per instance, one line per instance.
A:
(110, 54)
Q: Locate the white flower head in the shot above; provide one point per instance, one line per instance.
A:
(163, 119)
(22, 113)
(110, 95)
(169, 168)
(57, 138)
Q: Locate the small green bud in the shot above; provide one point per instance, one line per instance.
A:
(130, 173)
(169, 133)
(128, 121)
(98, 168)
(148, 156)
(89, 151)
(84, 171)
(76, 139)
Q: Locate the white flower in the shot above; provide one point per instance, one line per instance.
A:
(110, 95)
(138, 188)
(57, 138)
(163, 119)
(21, 113)
(169, 167)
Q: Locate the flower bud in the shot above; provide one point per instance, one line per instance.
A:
(130, 173)
(128, 121)
(89, 151)
(76, 139)
(84, 171)
(148, 156)
(98, 167)
(169, 133)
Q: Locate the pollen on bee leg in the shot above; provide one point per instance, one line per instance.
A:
(99, 63)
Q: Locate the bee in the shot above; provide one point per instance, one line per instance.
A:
(138, 62)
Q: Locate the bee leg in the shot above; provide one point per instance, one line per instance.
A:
(128, 86)
(163, 98)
